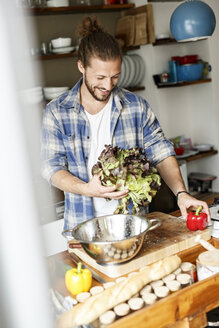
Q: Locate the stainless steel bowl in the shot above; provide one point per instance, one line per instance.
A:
(112, 239)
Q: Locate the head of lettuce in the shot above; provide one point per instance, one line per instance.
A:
(128, 169)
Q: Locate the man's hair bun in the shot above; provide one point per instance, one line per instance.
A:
(89, 25)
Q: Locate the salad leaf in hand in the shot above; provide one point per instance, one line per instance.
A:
(128, 169)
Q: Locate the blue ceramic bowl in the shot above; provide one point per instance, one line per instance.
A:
(189, 72)
(192, 20)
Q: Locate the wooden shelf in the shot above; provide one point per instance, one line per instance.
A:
(77, 9)
(182, 84)
(74, 54)
(56, 56)
(133, 89)
(168, 41)
(201, 155)
(164, 41)
(124, 50)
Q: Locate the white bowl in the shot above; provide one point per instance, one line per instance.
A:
(61, 42)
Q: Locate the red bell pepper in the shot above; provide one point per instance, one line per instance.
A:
(197, 220)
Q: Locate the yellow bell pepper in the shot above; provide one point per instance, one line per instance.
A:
(78, 280)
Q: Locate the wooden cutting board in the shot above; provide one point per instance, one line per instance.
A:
(170, 238)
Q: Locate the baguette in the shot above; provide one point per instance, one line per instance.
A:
(96, 305)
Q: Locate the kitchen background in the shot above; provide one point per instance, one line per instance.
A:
(191, 111)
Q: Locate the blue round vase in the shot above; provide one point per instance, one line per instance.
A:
(192, 20)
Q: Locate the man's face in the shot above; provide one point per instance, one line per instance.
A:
(100, 77)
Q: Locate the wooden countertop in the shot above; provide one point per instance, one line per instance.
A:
(186, 308)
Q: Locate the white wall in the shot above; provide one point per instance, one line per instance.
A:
(191, 110)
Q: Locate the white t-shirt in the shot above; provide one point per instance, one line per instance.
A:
(100, 136)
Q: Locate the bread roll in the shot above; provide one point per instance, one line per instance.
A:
(184, 278)
(120, 279)
(157, 283)
(177, 271)
(136, 303)
(173, 285)
(186, 266)
(107, 317)
(82, 297)
(96, 305)
(161, 291)
(108, 284)
(122, 309)
(96, 290)
(169, 277)
(146, 289)
(149, 298)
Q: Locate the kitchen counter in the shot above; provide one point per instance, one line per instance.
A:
(186, 308)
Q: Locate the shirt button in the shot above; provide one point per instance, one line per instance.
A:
(86, 157)
(88, 137)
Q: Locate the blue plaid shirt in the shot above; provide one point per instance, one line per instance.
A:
(66, 142)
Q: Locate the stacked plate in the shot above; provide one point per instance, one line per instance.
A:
(132, 71)
(63, 50)
(53, 92)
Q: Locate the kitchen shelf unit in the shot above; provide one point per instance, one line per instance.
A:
(160, 42)
(183, 84)
(40, 11)
(56, 56)
(78, 9)
(74, 54)
(201, 155)
(169, 41)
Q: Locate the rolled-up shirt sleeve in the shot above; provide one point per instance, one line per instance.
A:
(53, 154)
(156, 146)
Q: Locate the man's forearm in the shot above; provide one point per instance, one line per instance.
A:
(65, 181)
(170, 173)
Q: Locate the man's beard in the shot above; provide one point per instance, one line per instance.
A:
(92, 91)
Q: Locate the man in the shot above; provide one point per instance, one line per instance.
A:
(94, 113)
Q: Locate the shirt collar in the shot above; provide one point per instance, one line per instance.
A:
(72, 99)
(120, 97)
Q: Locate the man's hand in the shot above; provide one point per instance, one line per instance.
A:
(186, 201)
(95, 189)
(65, 181)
